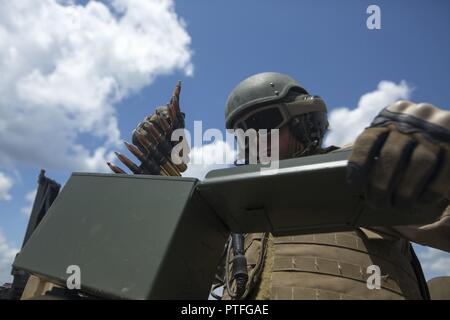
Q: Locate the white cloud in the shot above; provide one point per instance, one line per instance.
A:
(7, 254)
(29, 198)
(5, 185)
(65, 66)
(346, 124)
(216, 155)
(434, 262)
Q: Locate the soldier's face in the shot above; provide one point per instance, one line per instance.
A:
(285, 137)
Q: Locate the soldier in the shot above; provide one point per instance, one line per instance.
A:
(402, 159)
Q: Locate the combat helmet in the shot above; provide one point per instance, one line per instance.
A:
(271, 100)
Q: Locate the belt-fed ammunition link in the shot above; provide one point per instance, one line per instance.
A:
(152, 144)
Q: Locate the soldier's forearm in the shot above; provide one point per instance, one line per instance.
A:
(436, 235)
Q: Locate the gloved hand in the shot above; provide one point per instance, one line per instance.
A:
(403, 159)
(152, 144)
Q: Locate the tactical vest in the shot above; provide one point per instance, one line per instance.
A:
(332, 266)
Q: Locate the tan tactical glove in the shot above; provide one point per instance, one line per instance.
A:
(152, 143)
(403, 158)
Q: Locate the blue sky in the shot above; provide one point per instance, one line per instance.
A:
(324, 44)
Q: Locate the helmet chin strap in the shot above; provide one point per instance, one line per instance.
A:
(298, 149)
(295, 147)
(306, 136)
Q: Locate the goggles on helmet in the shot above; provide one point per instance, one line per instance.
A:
(275, 116)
